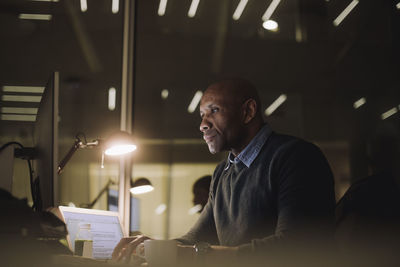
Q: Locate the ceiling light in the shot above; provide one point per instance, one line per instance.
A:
(15, 117)
(270, 25)
(345, 12)
(164, 93)
(115, 6)
(389, 113)
(83, 5)
(162, 7)
(268, 13)
(193, 8)
(359, 102)
(21, 98)
(239, 9)
(14, 110)
(398, 5)
(112, 96)
(23, 89)
(195, 101)
(279, 101)
(35, 16)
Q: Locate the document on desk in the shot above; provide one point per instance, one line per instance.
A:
(105, 228)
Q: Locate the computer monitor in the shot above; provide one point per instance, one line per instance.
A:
(46, 147)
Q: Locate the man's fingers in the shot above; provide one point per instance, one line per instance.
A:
(131, 247)
(121, 245)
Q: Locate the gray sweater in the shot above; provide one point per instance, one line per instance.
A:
(286, 193)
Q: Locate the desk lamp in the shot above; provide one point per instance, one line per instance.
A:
(117, 144)
(141, 186)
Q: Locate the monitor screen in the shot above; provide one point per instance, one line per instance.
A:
(46, 147)
(105, 228)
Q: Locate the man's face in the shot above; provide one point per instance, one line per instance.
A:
(220, 120)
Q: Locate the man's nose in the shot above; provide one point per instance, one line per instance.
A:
(204, 125)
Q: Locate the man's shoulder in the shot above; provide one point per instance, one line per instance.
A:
(283, 142)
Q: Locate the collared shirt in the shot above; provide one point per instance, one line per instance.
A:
(251, 151)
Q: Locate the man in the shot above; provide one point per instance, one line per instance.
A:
(273, 191)
(201, 191)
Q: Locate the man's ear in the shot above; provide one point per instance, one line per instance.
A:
(249, 110)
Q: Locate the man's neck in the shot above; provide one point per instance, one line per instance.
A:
(251, 133)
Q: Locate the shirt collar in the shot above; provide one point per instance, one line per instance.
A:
(251, 151)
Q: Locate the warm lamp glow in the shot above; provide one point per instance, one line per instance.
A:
(122, 149)
(119, 143)
(141, 186)
(141, 189)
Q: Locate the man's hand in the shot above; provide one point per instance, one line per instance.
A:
(126, 247)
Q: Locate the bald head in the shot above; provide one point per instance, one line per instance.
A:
(231, 115)
(236, 91)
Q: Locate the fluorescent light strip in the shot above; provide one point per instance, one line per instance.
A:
(239, 10)
(115, 6)
(162, 7)
(268, 13)
(345, 12)
(195, 101)
(44, 0)
(193, 8)
(35, 16)
(13, 117)
(359, 102)
(398, 5)
(112, 96)
(279, 101)
(13, 110)
(389, 113)
(23, 89)
(21, 98)
(83, 5)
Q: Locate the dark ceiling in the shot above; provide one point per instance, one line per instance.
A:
(322, 68)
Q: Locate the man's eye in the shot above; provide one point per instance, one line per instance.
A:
(213, 110)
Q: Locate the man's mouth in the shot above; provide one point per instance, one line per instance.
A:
(208, 138)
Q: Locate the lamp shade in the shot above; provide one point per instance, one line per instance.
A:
(119, 143)
(141, 186)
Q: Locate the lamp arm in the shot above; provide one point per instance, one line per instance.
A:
(102, 191)
(77, 144)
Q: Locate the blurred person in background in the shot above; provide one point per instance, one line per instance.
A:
(201, 191)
